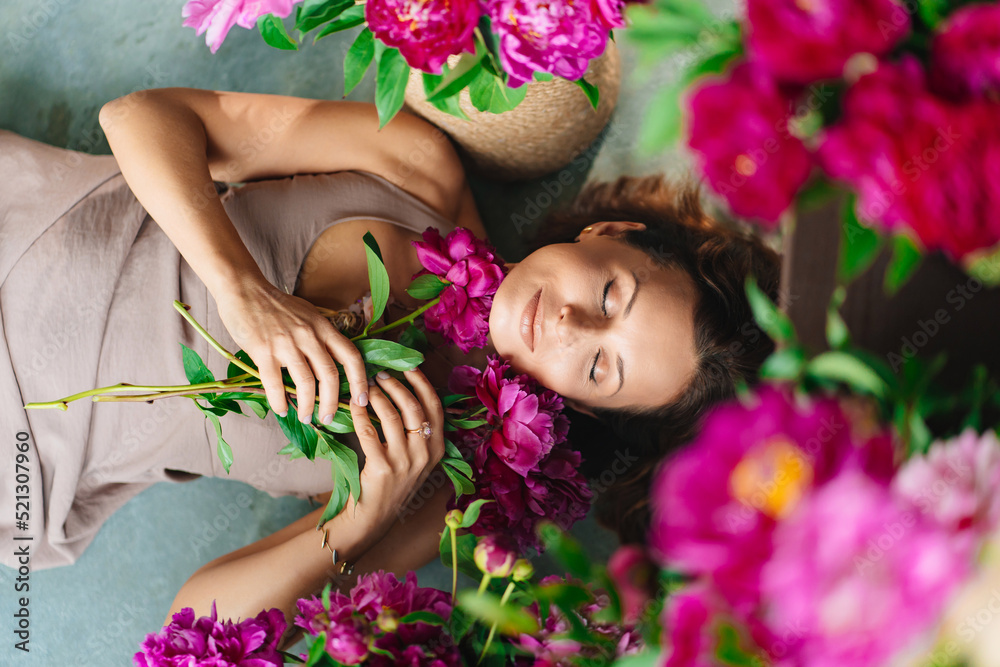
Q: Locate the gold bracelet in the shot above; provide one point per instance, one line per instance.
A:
(345, 567)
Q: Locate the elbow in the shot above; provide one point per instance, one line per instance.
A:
(113, 113)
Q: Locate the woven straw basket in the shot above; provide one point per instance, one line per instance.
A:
(552, 125)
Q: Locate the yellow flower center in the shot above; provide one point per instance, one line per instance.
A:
(772, 477)
(745, 165)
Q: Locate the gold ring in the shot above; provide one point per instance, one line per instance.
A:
(425, 430)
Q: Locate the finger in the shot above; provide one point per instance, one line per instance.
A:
(325, 370)
(305, 384)
(354, 365)
(407, 404)
(375, 455)
(274, 388)
(432, 408)
(392, 428)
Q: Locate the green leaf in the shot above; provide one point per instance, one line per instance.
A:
(486, 606)
(317, 650)
(460, 465)
(542, 76)
(422, 616)
(273, 31)
(565, 549)
(223, 449)
(338, 499)
(314, 13)
(345, 460)
(471, 514)
(466, 69)
(448, 105)
(426, 287)
(590, 90)
(233, 370)
(463, 485)
(413, 337)
(488, 92)
(301, 435)
(389, 354)
(342, 422)
(357, 60)
(378, 278)
(774, 322)
(837, 335)
(646, 658)
(291, 451)
(906, 258)
(859, 245)
(391, 75)
(352, 16)
(847, 368)
(932, 12)
(194, 368)
(466, 546)
(785, 364)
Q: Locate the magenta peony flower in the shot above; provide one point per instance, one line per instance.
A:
(634, 576)
(801, 41)
(716, 503)
(965, 54)
(348, 635)
(555, 491)
(187, 642)
(525, 419)
(689, 618)
(854, 578)
(740, 136)
(353, 623)
(556, 36)
(426, 32)
(955, 485)
(608, 12)
(474, 272)
(494, 555)
(216, 17)
(411, 643)
(918, 161)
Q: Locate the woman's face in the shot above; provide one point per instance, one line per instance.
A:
(613, 328)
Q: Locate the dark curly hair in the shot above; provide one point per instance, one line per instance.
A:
(730, 347)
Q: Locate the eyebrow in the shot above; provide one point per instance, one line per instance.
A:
(621, 364)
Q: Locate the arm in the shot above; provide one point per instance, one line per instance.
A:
(171, 143)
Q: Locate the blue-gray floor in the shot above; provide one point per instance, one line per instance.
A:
(61, 60)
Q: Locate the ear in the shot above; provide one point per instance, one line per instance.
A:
(579, 407)
(609, 228)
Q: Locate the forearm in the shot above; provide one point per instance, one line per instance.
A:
(161, 149)
(244, 583)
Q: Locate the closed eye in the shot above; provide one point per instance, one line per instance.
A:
(604, 309)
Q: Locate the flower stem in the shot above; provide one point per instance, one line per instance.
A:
(493, 628)
(484, 583)
(61, 404)
(454, 564)
(400, 321)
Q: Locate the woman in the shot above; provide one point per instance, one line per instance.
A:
(636, 316)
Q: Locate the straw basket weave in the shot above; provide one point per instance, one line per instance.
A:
(553, 124)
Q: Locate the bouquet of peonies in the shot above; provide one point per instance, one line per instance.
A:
(460, 276)
(503, 44)
(896, 100)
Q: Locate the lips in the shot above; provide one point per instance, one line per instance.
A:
(528, 317)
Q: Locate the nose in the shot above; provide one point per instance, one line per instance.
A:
(574, 326)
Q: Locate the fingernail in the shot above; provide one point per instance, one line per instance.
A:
(327, 419)
(382, 375)
(371, 381)
(305, 419)
(363, 399)
(282, 414)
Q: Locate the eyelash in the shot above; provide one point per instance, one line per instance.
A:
(604, 309)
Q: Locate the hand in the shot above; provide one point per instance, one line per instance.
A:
(280, 330)
(394, 470)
